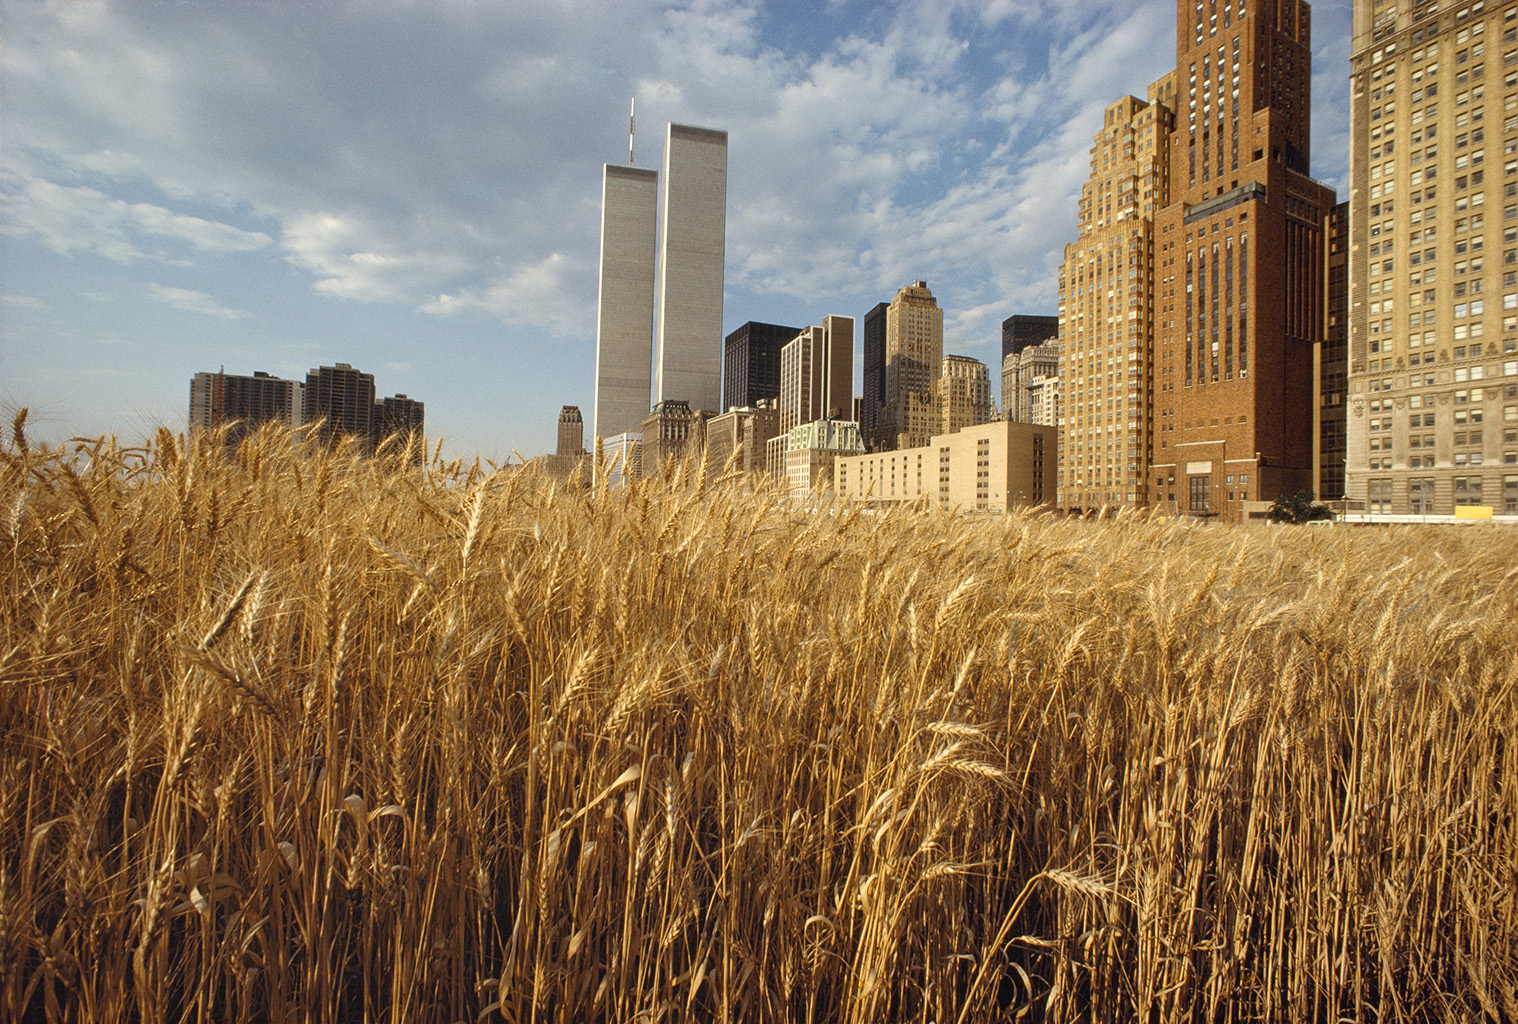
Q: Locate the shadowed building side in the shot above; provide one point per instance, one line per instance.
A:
(872, 414)
(341, 399)
(404, 419)
(243, 404)
(751, 363)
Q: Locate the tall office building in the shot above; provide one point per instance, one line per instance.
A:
(963, 394)
(751, 363)
(817, 374)
(242, 404)
(1106, 297)
(872, 402)
(693, 213)
(341, 399)
(1241, 268)
(625, 307)
(571, 444)
(1432, 420)
(913, 354)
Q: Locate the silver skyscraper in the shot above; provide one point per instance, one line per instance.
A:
(694, 216)
(625, 317)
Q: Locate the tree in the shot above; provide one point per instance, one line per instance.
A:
(1299, 508)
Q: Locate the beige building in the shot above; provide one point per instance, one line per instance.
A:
(992, 467)
(804, 457)
(1106, 306)
(1019, 372)
(963, 394)
(817, 373)
(667, 431)
(913, 355)
(1046, 404)
(1432, 420)
(746, 430)
(571, 441)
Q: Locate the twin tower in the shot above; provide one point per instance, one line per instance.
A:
(691, 219)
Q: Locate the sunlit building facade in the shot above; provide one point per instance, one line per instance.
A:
(1432, 418)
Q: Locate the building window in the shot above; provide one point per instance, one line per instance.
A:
(1420, 496)
(1467, 490)
(1200, 487)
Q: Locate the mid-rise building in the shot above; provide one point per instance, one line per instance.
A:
(669, 431)
(693, 212)
(1432, 419)
(1019, 371)
(339, 402)
(625, 305)
(991, 467)
(1046, 405)
(242, 404)
(623, 455)
(745, 431)
(817, 373)
(963, 394)
(811, 450)
(751, 363)
(872, 402)
(913, 356)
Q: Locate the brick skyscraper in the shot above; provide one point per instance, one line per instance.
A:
(1240, 260)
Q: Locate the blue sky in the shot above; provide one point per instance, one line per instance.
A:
(414, 188)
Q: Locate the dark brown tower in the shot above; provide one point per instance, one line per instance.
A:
(1241, 275)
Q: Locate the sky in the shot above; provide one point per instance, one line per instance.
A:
(414, 186)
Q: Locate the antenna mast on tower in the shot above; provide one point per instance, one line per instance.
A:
(632, 123)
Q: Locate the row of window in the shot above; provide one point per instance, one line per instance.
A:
(1420, 493)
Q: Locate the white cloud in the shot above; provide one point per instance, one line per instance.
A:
(194, 302)
(542, 294)
(71, 219)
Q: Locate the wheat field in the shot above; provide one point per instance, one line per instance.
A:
(295, 736)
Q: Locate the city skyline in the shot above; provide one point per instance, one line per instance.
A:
(253, 205)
